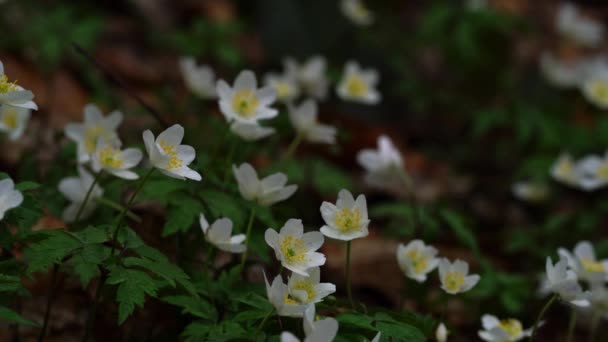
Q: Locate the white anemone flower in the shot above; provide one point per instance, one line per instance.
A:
(584, 263)
(455, 276)
(94, 127)
(304, 120)
(110, 158)
(12, 94)
(200, 79)
(309, 289)
(562, 74)
(359, 85)
(9, 197)
(251, 131)
(357, 12)
(324, 330)
(565, 171)
(75, 190)
(286, 86)
(504, 330)
(245, 102)
(592, 172)
(530, 191)
(416, 260)
(580, 29)
(384, 166)
(278, 296)
(294, 248)
(564, 282)
(595, 87)
(310, 75)
(347, 219)
(168, 155)
(13, 121)
(267, 191)
(220, 235)
(441, 333)
(377, 337)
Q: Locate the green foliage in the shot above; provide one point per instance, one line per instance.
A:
(132, 287)
(9, 315)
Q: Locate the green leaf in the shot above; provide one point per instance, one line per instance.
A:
(87, 261)
(460, 229)
(9, 283)
(182, 215)
(50, 251)
(133, 286)
(223, 205)
(9, 315)
(329, 179)
(194, 306)
(169, 272)
(25, 186)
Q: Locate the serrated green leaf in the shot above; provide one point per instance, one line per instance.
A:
(182, 215)
(51, 250)
(87, 261)
(133, 286)
(194, 306)
(169, 272)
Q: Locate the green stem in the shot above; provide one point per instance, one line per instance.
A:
(293, 146)
(126, 208)
(228, 162)
(541, 315)
(348, 287)
(261, 326)
(111, 204)
(595, 320)
(248, 234)
(49, 302)
(91, 319)
(86, 197)
(571, 325)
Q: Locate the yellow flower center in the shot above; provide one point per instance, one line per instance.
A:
(7, 86)
(10, 118)
(283, 89)
(419, 261)
(348, 220)
(91, 134)
(602, 171)
(307, 287)
(453, 281)
(599, 90)
(356, 86)
(174, 161)
(592, 266)
(289, 301)
(244, 103)
(565, 169)
(293, 249)
(511, 326)
(109, 157)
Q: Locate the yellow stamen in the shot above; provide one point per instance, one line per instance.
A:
(283, 89)
(289, 301)
(356, 86)
(599, 90)
(245, 103)
(511, 326)
(453, 281)
(109, 156)
(348, 220)
(174, 161)
(419, 261)
(602, 171)
(592, 266)
(307, 287)
(10, 118)
(7, 86)
(293, 249)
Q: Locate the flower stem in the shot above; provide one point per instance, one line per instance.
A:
(595, 320)
(571, 325)
(111, 204)
(348, 288)
(86, 197)
(49, 302)
(293, 146)
(261, 326)
(541, 315)
(247, 236)
(229, 158)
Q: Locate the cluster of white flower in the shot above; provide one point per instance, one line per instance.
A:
(16, 104)
(589, 73)
(589, 173)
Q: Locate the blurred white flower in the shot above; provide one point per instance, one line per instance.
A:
(13, 120)
(454, 276)
(564, 170)
(294, 248)
(441, 333)
(578, 28)
(595, 88)
(12, 94)
(592, 172)
(377, 337)
(109, 157)
(220, 235)
(584, 263)
(358, 85)
(530, 191)
(309, 75)
(324, 330)
(9, 197)
(168, 155)
(304, 120)
(250, 131)
(357, 12)
(309, 289)
(286, 86)
(384, 166)
(75, 190)
(200, 79)
(564, 282)
(94, 127)
(245, 102)
(347, 219)
(504, 330)
(416, 259)
(279, 298)
(562, 74)
(266, 192)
